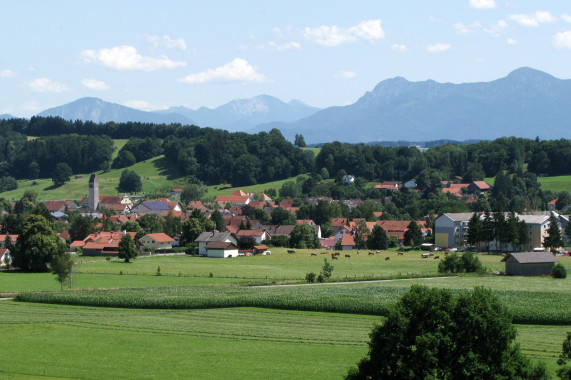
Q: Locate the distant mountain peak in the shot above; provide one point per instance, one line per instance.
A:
(527, 74)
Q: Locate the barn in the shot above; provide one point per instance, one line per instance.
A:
(529, 263)
(221, 249)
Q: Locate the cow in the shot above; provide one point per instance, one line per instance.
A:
(387, 258)
(334, 257)
(371, 253)
(313, 254)
(400, 253)
(347, 255)
(436, 257)
(378, 251)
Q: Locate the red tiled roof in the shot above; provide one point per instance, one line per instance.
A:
(161, 237)
(239, 192)
(12, 237)
(232, 198)
(338, 221)
(482, 185)
(250, 233)
(348, 240)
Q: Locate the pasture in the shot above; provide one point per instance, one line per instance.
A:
(86, 342)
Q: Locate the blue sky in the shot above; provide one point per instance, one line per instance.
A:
(152, 55)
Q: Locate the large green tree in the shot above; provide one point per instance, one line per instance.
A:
(61, 174)
(130, 182)
(475, 228)
(378, 238)
(430, 334)
(304, 236)
(62, 266)
(37, 244)
(553, 240)
(127, 250)
(413, 235)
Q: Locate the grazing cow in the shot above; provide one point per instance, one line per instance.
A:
(347, 255)
(290, 251)
(334, 257)
(387, 258)
(400, 253)
(371, 253)
(436, 257)
(324, 253)
(378, 251)
(313, 254)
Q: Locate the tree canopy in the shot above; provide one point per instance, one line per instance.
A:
(127, 250)
(430, 334)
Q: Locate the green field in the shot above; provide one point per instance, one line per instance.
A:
(554, 184)
(236, 343)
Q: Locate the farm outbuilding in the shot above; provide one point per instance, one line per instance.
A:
(529, 263)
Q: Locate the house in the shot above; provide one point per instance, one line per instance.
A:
(5, 257)
(258, 235)
(160, 208)
(552, 204)
(258, 249)
(175, 192)
(451, 229)
(347, 179)
(60, 206)
(278, 230)
(101, 243)
(157, 241)
(479, 186)
(348, 242)
(339, 231)
(209, 237)
(397, 228)
(328, 243)
(196, 205)
(388, 186)
(221, 249)
(237, 199)
(529, 263)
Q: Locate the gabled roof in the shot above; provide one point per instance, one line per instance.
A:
(212, 236)
(232, 198)
(220, 245)
(278, 230)
(532, 257)
(239, 192)
(481, 185)
(12, 237)
(250, 233)
(160, 237)
(458, 216)
(348, 240)
(338, 221)
(156, 205)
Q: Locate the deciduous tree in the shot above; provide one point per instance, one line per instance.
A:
(127, 250)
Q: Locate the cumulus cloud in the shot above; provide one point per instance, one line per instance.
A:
(127, 58)
(566, 18)
(483, 4)
(7, 74)
(438, 48)
(399, 47)
(345, 74)
(370, 30)
(239, 70)
(46, 85)
(562, 40)
(463, 29)
(168, 42)
(94, 84)
(511, 41)
(292, 45)
(533, 20)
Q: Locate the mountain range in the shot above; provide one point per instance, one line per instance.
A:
(525, 103)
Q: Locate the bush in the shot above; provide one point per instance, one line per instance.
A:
(559, 271)
(310, 277)
(453, 263)
(321, 278)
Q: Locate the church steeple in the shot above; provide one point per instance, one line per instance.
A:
(93, 197)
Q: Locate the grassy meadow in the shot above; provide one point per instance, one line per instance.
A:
(185, 323)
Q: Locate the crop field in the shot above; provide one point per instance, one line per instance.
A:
(199, 344)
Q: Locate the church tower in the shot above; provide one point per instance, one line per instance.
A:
(93, 197)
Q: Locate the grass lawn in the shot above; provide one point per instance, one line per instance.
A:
(84, 342)
(556, 184)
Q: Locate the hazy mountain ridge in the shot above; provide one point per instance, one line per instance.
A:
(244, 114)
(525, 103)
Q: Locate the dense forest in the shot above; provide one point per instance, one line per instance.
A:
(217, 156)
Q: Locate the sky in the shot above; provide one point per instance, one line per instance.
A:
(152, 55)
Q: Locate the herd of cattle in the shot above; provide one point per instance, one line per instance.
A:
(335, 256)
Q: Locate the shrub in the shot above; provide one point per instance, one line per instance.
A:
(559, 271)
(310, 277)
(453, 263)
(321, 278)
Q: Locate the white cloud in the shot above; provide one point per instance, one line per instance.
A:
(239, 70)
(566, 18)
(495, 29)
(46, 85)
(127, 58)
(438, 48)
(370, 30)
(7, 74)
(432, 18)
(463, 29)
(562, 40)
(483, 4)
(533, 20)
(292, 45)
(94, 84)
(345, 75)
(399, 47)
(511, 41)
(32, 107)
(168, 42)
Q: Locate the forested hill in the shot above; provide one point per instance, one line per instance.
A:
(215, 156)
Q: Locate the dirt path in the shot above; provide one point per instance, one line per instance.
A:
(353, 282)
